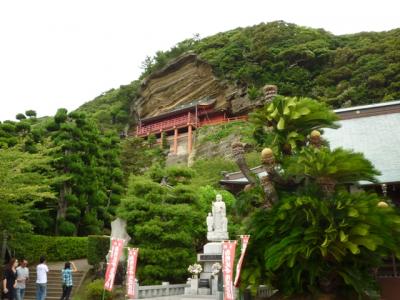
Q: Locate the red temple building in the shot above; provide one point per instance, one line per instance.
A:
(183, 120)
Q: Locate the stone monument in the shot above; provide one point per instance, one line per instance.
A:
(217, 231)
(118, 231)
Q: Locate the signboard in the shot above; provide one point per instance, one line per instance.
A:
(131, 272)
(115, 254)
(228, 257)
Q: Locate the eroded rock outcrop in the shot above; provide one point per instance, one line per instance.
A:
(183, 80)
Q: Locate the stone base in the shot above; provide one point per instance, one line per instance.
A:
(204, 291)
(217, 236)
(213, 248)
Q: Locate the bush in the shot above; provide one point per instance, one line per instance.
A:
(94, 291)
(31, 247)
(97, 249)
(66, 228)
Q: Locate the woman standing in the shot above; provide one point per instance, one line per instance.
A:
(9, 281)
(67, 280)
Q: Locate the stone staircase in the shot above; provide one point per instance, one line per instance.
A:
(54, 284)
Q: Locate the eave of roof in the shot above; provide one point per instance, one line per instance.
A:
(181, 109)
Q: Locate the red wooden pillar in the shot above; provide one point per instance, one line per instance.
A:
(175, 140)
(189, 139)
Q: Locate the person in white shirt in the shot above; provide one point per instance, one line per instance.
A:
(22, 277)
(41, 280)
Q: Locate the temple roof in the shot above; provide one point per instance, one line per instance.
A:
(203, 102)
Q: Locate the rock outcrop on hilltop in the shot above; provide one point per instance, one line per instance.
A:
(183, 80)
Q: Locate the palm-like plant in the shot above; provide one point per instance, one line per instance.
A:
(310, 241)
(292, 119)
(331, 167)
(312, 244)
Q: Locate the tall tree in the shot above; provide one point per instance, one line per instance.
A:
(22, 185)
(166, 220)
(89, 170)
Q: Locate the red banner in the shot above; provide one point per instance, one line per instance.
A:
(112, 265)
(245, 241)
(131, 272)
(228, 257)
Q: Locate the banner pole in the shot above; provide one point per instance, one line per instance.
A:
(104, 293)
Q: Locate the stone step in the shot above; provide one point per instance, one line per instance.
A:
(54, 284)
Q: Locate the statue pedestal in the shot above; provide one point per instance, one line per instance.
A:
(217, 236)
(211, 255)
(217, 231)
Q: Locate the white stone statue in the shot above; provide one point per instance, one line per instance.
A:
(217, 223)
(225, 224)
(210, 222)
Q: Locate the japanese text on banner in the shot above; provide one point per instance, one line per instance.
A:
(114, 256)
(228, 257)
(131, 272)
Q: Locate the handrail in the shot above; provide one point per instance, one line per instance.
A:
(182, 121)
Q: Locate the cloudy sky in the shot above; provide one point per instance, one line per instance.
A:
(57, 53)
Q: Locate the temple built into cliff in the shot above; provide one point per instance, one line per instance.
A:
(183, 120)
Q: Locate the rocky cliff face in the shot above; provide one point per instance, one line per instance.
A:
(183, 80)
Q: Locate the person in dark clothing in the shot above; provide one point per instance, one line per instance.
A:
(9, 281)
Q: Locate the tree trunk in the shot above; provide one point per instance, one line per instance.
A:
(62, 206)
(238, 155)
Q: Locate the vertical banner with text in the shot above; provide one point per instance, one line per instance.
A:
(245, 241)
(131, 273)
(228, 257)
(113, 260)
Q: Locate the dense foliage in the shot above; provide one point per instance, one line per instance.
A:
(87, 163)
(111, 108)
(59, 175)
(97, 249)
(342, 71)
(24, 188)
(316, 237)
(31, 247)
(166, 220)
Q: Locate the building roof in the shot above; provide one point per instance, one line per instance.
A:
(378, 137)
(371, 129)
(203, 102)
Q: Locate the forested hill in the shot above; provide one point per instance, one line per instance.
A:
(344, 70)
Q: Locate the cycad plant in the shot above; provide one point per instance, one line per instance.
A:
(310, 235)
(291, 119)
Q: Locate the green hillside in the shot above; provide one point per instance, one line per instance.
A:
(344, 70)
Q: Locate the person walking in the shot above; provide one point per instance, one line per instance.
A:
(67, 279)
(41, 279)
(22, 277)
(9, 281)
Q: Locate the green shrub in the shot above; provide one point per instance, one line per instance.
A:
(66, 228)
(97, 249)
(31, 247)
(94, 291)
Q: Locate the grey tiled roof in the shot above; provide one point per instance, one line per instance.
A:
(378, 137)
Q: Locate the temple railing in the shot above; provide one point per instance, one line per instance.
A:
(182, 121)
(166, 125)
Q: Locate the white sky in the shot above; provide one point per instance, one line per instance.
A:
(63, 53)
